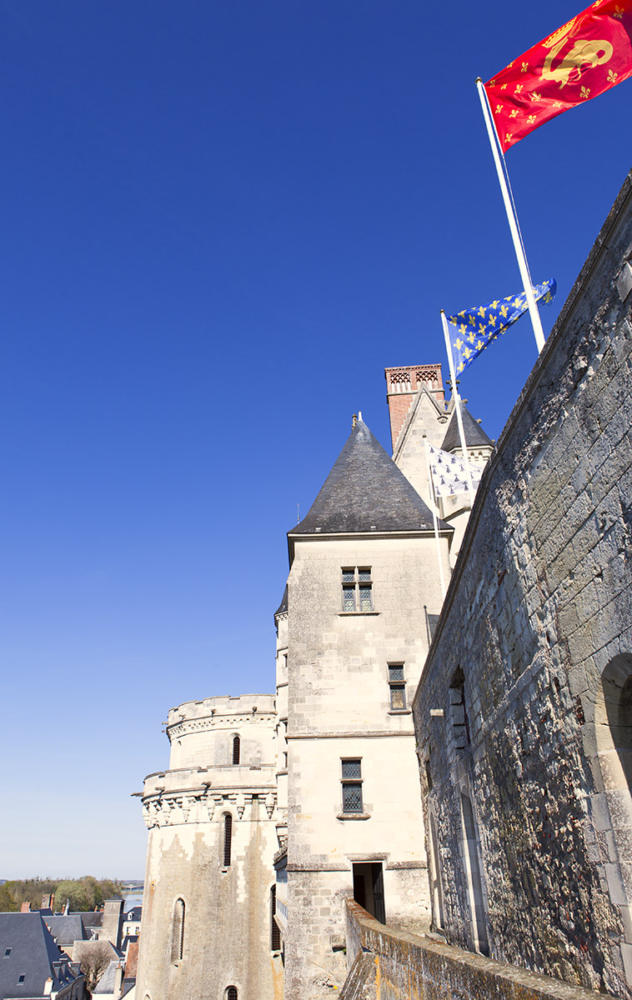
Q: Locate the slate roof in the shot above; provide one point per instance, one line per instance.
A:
(282, 608)
(108, 979)
(475, 436)
(365, 491)
(33, 954)
(66, 928)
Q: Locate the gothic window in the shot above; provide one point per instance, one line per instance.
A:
(351, 785)
(457, 714)
(228, 835)
(231, 993)
(397, 687)
(275, 936)
(357, 592)
(617, 695)
(177, 931)
(236, 749)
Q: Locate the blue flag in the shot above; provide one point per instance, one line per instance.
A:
(473, 329)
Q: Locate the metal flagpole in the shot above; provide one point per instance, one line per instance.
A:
(434, 519)
(511, 217)
(457, 404)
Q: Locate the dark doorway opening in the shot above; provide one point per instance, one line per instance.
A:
(368, 889)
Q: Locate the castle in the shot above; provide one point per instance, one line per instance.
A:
(510, 699)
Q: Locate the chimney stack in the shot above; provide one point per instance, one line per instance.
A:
(403, 384)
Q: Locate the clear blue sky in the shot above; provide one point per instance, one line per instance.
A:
(220, 221)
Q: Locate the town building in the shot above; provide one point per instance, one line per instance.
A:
(32, 965)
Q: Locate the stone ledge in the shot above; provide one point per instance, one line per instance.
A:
(404, 966)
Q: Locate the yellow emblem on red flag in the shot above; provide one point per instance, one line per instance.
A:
(579, 61)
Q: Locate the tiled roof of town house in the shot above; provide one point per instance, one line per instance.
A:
(475, 436)
(365, 491)
(32, 953)
(66, 928)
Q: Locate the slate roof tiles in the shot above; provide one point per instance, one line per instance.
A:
(365, 491)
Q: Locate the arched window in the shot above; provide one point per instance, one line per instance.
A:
(231, 993)
(228, 836)
(177, 931)
(236, 749)
(617, 695)
(275, 935)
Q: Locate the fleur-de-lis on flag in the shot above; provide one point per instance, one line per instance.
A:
(498, 320)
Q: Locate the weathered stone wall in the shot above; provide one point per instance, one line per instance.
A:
(512, 711)
(385, 964)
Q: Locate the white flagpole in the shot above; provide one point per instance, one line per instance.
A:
(434, 520)
(511, 217)
(457, 404)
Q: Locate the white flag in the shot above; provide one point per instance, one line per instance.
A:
(450, 473)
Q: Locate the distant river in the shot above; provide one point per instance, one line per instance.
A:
(132, 899)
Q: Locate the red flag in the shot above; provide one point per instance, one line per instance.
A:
(579, 61)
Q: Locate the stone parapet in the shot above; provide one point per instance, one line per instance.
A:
(387, 964)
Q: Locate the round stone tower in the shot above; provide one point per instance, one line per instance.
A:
(208, 929)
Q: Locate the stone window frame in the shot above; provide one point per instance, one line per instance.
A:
(231, 993)
(236, 749)
(227, 840)
(458, 722)
(611, 803)
(397, 684)
(275, 933)
(357, 585)
(178, 919)
(358, 814)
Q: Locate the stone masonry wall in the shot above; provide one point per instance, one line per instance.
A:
(385, 964)
(528, 812)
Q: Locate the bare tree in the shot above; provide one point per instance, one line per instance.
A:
(94, 958)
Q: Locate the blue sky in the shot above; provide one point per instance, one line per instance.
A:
(220, 222)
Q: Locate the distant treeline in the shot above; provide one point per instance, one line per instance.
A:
(82, 893)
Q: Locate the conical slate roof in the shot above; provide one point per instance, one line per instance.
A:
(283, 605)
(475, 436)
(365, 491)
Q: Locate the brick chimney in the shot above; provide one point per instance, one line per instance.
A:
(403, 384)
(48, 901)
(25, 907)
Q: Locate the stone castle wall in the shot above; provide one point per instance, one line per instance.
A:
(528, 811)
